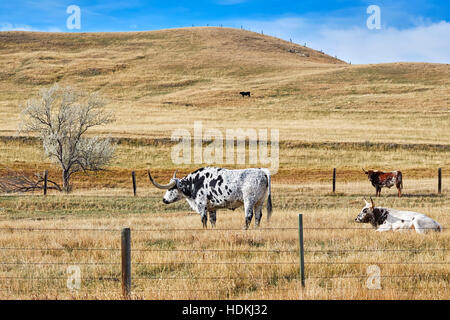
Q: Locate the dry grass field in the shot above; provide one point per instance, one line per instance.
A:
(329, 115)
(172, 257)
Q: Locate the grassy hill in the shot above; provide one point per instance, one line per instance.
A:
(200, 66)
(329, 113)
(199, 71)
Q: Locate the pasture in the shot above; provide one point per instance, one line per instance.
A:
(172, 257)
(329, 115)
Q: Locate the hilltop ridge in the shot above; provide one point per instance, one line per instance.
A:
(159, 81)
(39, 58)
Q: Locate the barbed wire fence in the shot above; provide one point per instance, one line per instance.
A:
(53, 276)
(116, 272)
(427, 186)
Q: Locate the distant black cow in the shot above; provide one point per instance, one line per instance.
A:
(381, 179)
(245, 93)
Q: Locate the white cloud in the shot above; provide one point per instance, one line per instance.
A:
(6, 26)
(429, 43)
(423, 42)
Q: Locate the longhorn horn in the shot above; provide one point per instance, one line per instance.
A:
(364, 170)
(171, 184)
(373, 204)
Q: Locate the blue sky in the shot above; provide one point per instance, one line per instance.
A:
(413, 30)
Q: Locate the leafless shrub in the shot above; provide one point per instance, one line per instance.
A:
(14, 182)
(61, 117)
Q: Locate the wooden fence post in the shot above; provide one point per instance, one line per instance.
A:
(45, 182)
(301, 249)
(334, 180)
(133, 177)
(126, 263)
(439, 180)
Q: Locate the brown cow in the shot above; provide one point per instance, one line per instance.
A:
(381, 179)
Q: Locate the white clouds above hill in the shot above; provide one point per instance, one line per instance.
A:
(6, 26)
(429, 43)
(423, 42)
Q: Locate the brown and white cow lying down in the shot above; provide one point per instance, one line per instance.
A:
(385, 219)
(381, 179)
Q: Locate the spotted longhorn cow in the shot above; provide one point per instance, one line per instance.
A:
(385, 219)
(381, 179)
(208, 189)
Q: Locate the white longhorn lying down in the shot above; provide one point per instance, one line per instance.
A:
(385, 219)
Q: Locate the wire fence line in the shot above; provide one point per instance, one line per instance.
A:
(58, 278)
(58, 249)
(429, 185)
(237, 262)
(408, 291)
(379, 262)
(221, 263)
(117, 278)
(227, 250)
(58, 263)
(57, 229)
(200, 229)
(297, 290)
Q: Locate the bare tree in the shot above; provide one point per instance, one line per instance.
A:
(61, 116)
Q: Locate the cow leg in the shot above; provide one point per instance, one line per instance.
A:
(204, 217)
(378, 192)
(248, 213)
(258, 213)
(212, 218)
(204, 220)
(399, 192)
(416, 226)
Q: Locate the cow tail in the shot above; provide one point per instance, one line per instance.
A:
(269, 194)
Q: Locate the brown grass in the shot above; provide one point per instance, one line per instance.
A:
(329, 114)
(171, 78)
(168, 242)
(165, 265)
